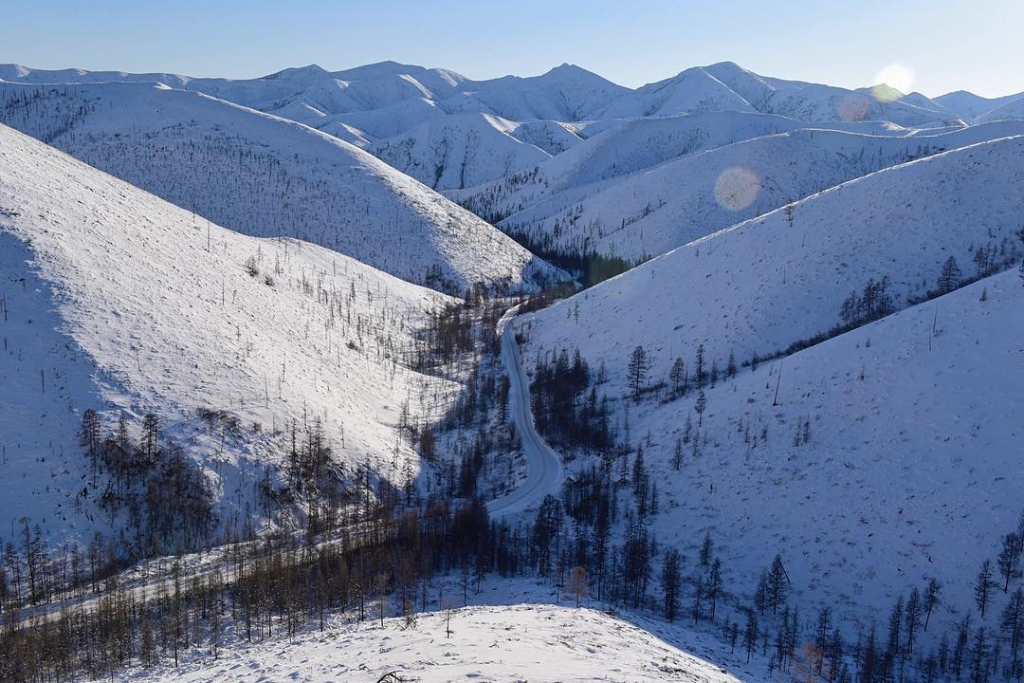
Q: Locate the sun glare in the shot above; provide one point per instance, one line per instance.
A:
(897, 77)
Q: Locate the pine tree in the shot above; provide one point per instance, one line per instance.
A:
(677, 455)
(714, 585)
(700, 373)
(778, 584)
(1008, 558)
(636, 372)
(912, 618)
(671, 581)
(1012, 623)
(700, 405)
(931, 599)
(677, 375)
(983, 587)
(750, 634)
(949, 276)
(706, 550)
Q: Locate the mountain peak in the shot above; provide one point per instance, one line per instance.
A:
(566, 70)
(298, 72)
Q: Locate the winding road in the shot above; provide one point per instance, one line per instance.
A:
(543, 466)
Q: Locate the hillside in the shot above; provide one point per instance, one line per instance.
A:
(267, 177)
(766, 283)
(1013, 109)
(460, 151)
(652, 211)
(889, 455)
(116, 301)
(972, 107)
(728, 87)
(522, 642)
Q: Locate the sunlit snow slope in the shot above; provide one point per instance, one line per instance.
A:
(118, 301)
(268, 177)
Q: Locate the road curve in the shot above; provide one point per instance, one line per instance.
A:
(543, 466)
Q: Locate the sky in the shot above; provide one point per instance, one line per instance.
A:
(932, 47)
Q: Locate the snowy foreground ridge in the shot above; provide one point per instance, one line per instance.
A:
(520, 643)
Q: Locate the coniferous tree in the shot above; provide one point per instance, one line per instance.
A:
(949, 276)
(1009, 556)
(700, 405)
(750, 633)
(714, 585)
(778, 584)
(931, 599)
(677, 376)
(671, 583)
(1012, 624)
(912, 619)
(636, 371)
(983, 587)
(707, 548)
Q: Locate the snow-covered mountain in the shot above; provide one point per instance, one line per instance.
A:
(265, 176)
(614, 150)
(889, 455)
(115, 300)
(728, 87)
(870, 461)
(656, 209)
(761, 285)
(1013, 109)
(972, 107)
(460, 151)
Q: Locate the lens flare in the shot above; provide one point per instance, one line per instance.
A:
(737, 188)
(855, 107)
(893, 82)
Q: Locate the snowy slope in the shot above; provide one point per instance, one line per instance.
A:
(551, 136)
(814, 102)
(912, 469)
(265, 176)
(460, 151)
(516, 643)
(618, 149)
(972, 107)
(118, 301)
(768, 282)
(16, 73)
(728, 87)
(660, 208)
(565, 93)
(692, 91)
(1014, 109)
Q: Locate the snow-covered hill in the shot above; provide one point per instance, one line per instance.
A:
(693, 91)
(460, 151)
(117, 301)
(972, 107)
(265, 176)
(615, 149)
(1013, 109)
(728, 87)
(888, 456)
(657, 209)
(516, 643)
(763, 284)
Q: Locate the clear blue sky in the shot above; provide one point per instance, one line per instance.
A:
(946, 45)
